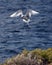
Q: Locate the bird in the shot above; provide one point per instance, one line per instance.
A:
(25, 17)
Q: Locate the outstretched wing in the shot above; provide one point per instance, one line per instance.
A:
(17, 13)
(31, 12)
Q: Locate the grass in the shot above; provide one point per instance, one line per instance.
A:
(34, 57)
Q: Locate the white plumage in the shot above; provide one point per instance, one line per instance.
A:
(26, 17)
(17, 13)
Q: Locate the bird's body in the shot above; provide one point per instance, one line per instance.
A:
(26, 17)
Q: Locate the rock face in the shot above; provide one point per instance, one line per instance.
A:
(35, 57)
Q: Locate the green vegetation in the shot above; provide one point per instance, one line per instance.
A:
(34, 57)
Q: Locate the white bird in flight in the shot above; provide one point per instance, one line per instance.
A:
(26, 17)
